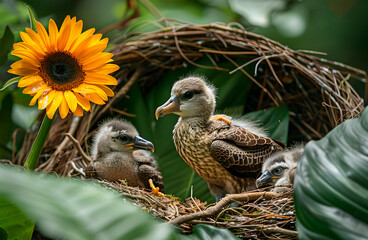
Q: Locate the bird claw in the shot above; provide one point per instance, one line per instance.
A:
(155, 190)
(221, 117)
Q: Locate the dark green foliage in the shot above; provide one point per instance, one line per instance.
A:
(72, 209)
(6, 122)
(331, 184)
(6, 44)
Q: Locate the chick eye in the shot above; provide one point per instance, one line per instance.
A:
(123, 138)
(278, 170)
(188, 95)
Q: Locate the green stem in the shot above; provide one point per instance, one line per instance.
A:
(38, 144)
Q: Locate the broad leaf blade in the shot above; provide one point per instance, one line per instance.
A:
(331, 184)
(6, 121)
(6, 44)
(202, 231)
(274, 120)
(15, 224)
(77, 210)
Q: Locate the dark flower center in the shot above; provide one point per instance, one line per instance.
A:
(61, 71)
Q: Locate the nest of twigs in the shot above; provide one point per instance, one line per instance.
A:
(257, 215)
(317, 92)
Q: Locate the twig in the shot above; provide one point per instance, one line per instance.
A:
(280, 230)
(80, 170)
(211, 211)
(78, 146)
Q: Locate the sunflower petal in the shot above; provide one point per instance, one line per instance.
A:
(30, 48)
(101, 59)
(53, 34)
(33, 42)
(93, 97)
(43, 35)
(24, 66)
(93, 50)
(63, 108)
(27, 56)
(34, 88)
(84, 42)
(46, 98)
(83, 102)
(71, 99)
(100, 78)
(64, 34)
(79, 111)
(36, 39)
(29, 80)
(107, 90)
(53, 106)
(75, 33)
(38, 94)
(107, 69)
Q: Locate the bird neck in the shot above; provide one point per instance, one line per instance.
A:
(198, 121)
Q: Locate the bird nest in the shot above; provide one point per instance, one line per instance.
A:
(257, 215)
(317, 92)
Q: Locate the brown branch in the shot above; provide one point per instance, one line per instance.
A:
(78, 147)
(280, 230)
(211, 211)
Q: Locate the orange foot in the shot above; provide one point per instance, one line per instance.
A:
(155, 190)
(221, 117)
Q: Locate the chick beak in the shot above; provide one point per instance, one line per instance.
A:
(265, 178)
(172, 105)
(141, 143)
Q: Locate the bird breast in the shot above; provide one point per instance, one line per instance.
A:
(192, 141)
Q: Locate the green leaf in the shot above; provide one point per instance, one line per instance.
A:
(274, 120)
(32, 18)
(13, 223)
(6, 44)
(331, 184)
(202, 231)
(6, 121)
(72, 209)
(10, 82)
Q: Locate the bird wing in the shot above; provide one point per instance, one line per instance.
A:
(240, 151)
(148, 170)
(142, 156)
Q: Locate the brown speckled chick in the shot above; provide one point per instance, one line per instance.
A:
(119, 153)
(227, 153)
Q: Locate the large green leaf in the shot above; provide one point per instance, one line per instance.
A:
(274, 120)
(77, 210)
(72, 209)
(6, 121)
(209, 232)
(331, 185)
(6, 44)
(14, 223)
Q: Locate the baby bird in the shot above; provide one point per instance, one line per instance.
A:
(119, 153)
(227, 153)
(280, 168)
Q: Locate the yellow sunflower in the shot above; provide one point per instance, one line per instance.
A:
(64, 69)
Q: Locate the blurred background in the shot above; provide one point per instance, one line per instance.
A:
(338, 28)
